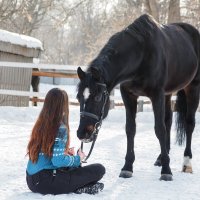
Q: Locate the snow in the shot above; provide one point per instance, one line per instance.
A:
(110, 148)
(19, 39)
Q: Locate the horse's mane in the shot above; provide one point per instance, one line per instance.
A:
(102, 59)
(143, 27)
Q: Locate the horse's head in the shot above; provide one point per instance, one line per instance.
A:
(94, 106)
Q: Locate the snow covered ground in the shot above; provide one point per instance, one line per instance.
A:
(110, 148)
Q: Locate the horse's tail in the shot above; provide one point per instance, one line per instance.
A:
(181, 104)
(181, 108)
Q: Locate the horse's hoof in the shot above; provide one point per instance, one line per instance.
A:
(126, 174)
(157, 163)
(166, 177)
(187, 166)
(187, 169)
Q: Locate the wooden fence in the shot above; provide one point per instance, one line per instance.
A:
(68, 71)
(62, 71)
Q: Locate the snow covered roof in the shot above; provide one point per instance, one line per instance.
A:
(21, 40)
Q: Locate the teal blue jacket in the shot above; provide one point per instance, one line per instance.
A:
(58, 159)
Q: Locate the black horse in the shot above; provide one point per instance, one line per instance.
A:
(147, 59)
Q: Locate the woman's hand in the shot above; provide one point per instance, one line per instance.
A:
(81, 154)
(71, 151)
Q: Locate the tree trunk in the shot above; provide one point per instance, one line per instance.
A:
(152, 8)
(174, 11)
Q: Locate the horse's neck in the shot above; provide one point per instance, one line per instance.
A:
(113, 75)
(116, 72)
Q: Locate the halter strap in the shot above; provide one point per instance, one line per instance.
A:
(83, 113)
(101, 84)
(98, 124)
(91, 148)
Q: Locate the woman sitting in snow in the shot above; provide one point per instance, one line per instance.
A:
(53, 167)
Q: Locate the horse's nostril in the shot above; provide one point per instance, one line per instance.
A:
(90, 128)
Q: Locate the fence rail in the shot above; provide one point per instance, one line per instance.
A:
(70, 68)
(54, 74)
(61, 71)
(66, 71)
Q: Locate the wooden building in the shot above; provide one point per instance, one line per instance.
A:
(17, 48)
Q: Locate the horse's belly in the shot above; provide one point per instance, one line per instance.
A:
(180, 81)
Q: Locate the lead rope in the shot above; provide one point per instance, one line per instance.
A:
(97, 128)
(92, 146)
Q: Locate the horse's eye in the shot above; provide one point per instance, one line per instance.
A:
(98, 98)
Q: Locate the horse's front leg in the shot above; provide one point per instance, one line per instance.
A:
(130, 102)
(158, 103)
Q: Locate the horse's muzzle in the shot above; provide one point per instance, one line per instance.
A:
(87, 140)
(86, 134)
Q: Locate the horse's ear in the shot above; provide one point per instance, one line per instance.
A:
(81, 73)
(96, 73)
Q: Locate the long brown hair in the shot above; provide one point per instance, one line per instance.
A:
(54, 112)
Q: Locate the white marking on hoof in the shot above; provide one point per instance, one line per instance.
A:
(187, 166)
(166, 177)
(126, 174)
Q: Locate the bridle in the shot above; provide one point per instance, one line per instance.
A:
(99, 119)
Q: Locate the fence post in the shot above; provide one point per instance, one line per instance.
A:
(112, 103)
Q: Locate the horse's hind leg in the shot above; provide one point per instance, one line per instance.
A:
(168, 124)
(130, 102)
(192, 97)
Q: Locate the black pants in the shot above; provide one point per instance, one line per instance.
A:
(63, 181)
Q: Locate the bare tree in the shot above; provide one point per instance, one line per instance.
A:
(94, 23)
(7, 9)
(152, 8)
(174, 11)
(30, 15)
(78, 29)
(191, 12)
(61, 23)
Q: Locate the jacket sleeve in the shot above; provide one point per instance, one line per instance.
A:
(59, 159)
